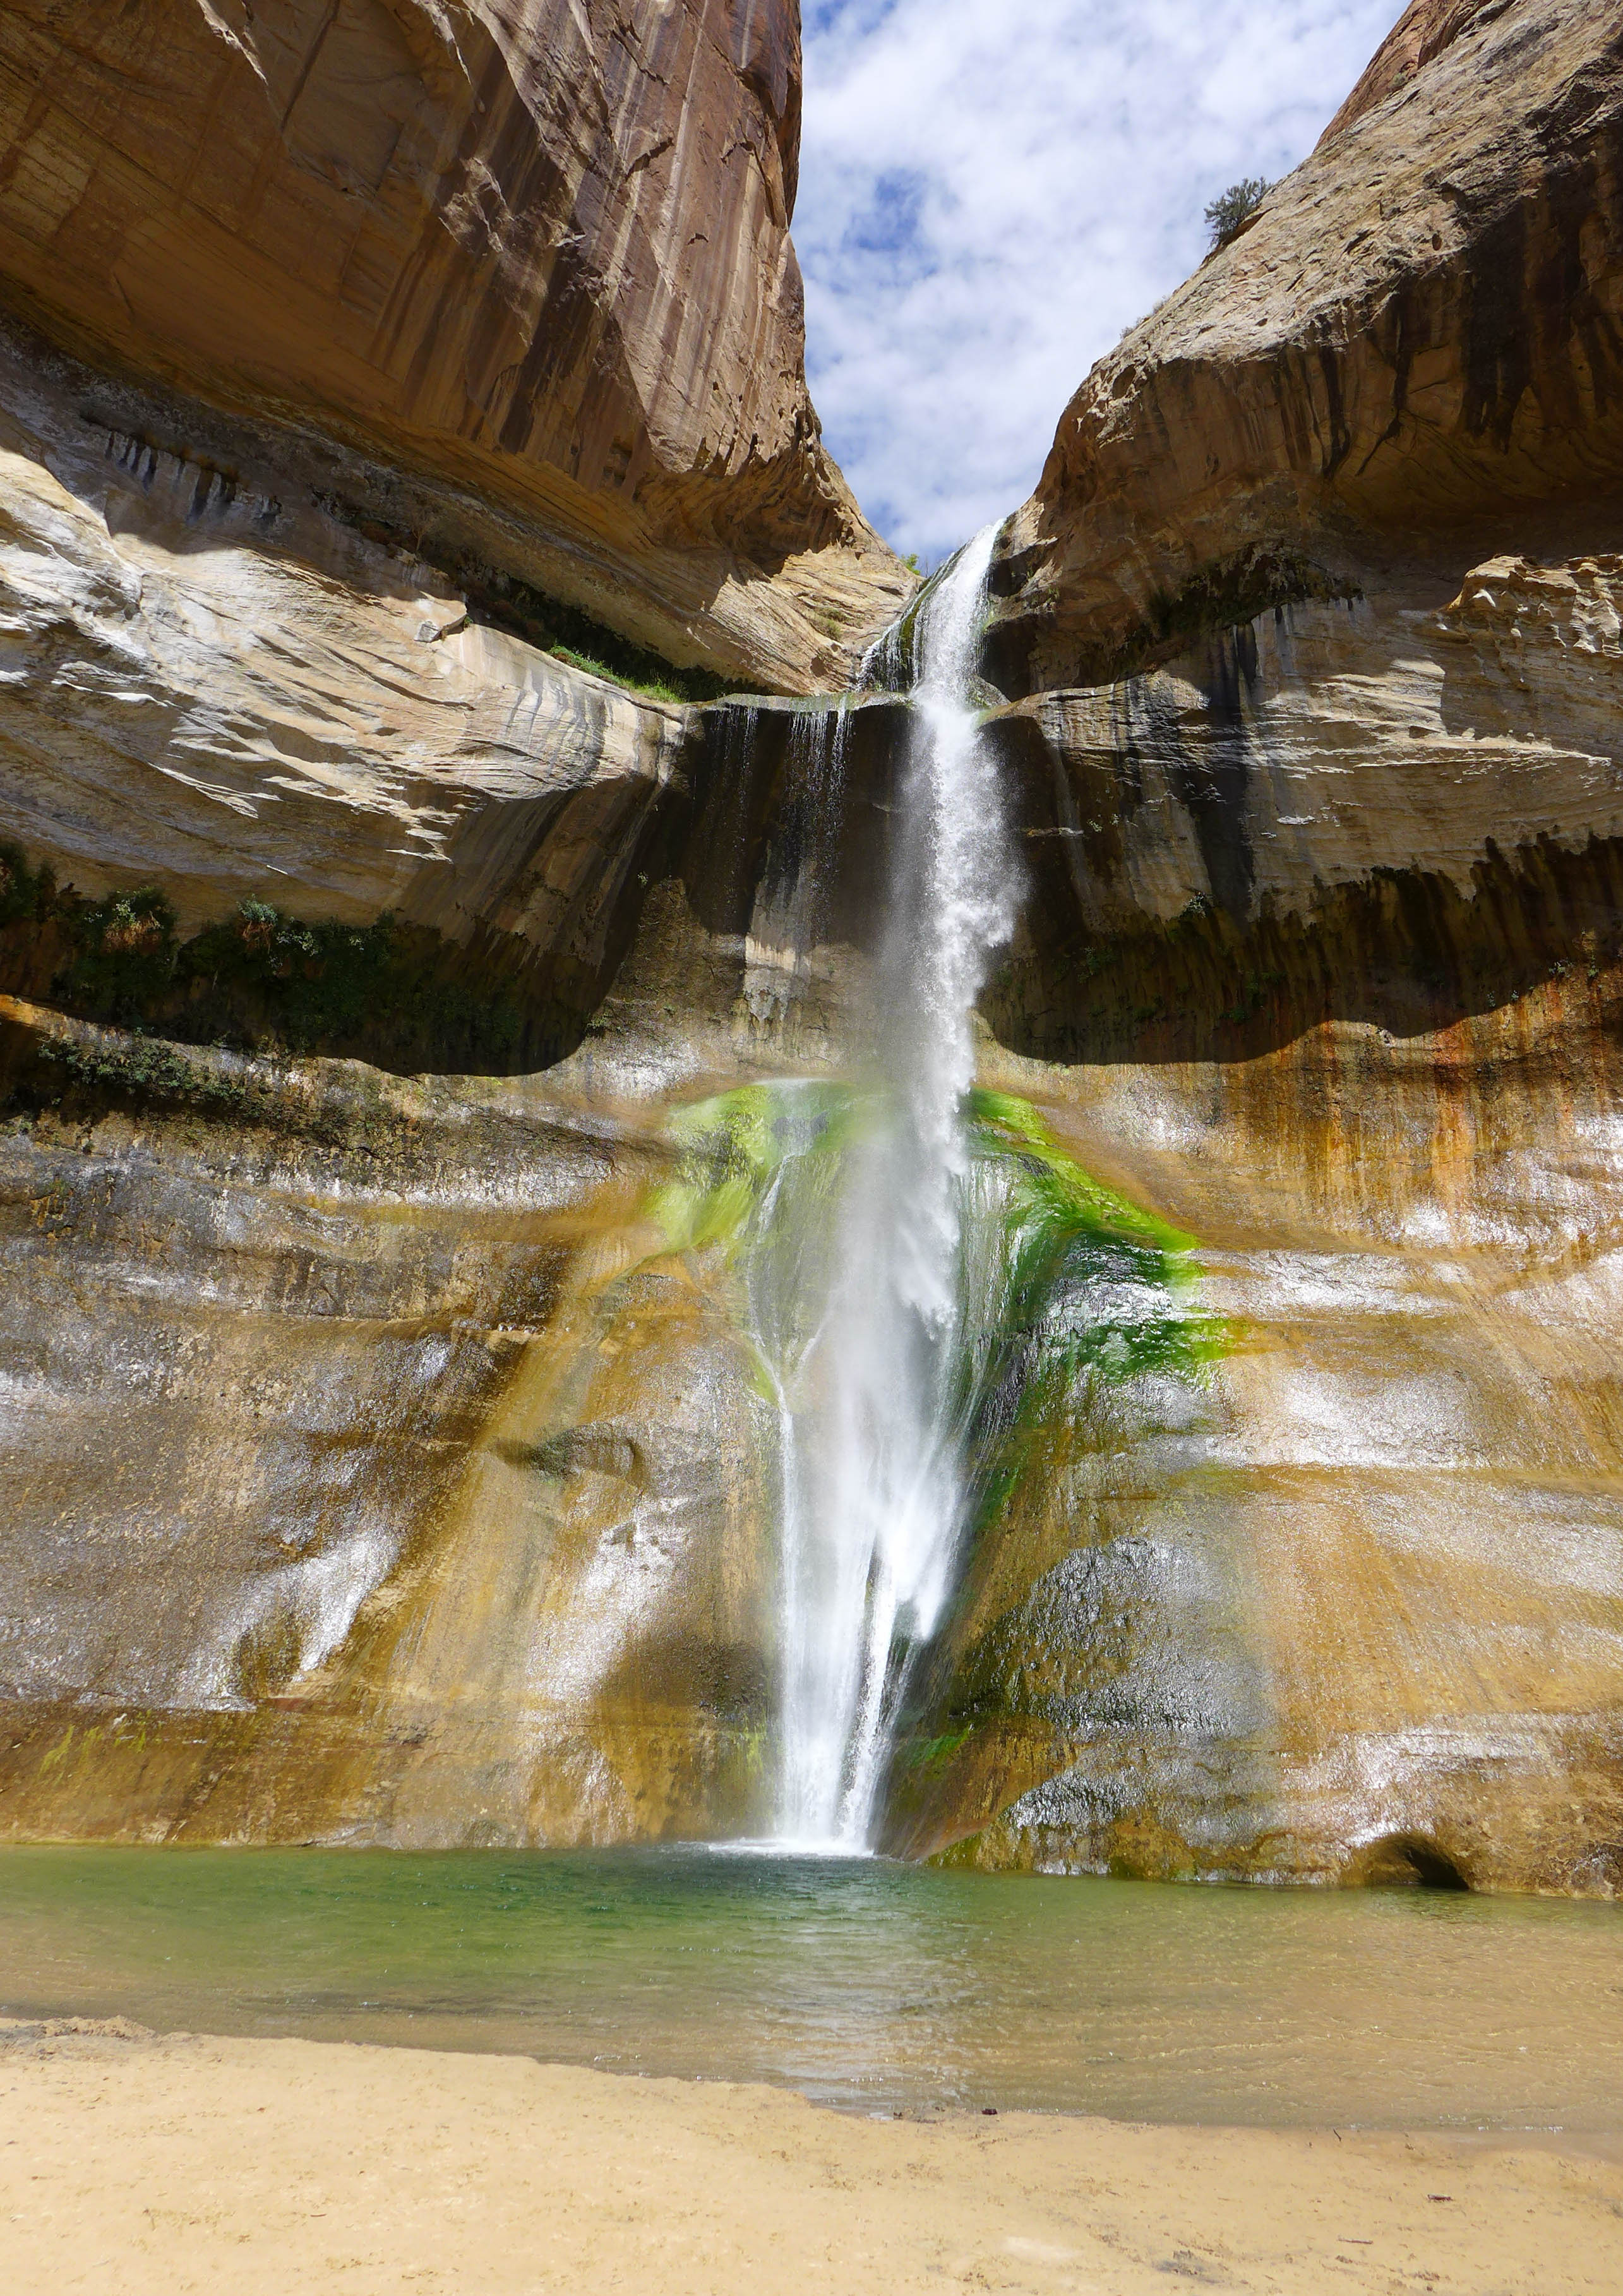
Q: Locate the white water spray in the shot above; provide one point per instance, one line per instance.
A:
(872, 1482)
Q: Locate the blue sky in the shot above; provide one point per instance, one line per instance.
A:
(991, 191)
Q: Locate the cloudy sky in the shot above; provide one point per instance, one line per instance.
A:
(992, 190)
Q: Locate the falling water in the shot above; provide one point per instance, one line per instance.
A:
(872, 1499)
(790, 916)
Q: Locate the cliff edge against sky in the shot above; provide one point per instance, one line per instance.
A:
(384, 1456)
(525, 266)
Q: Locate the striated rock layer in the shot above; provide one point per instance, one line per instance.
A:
(526, 265)
(501, 1566)
(1353, 1610)
(1422, 327)
(384, 1462)
(218, 689)
(426, 1497)
(377, 378)
(1320, 958)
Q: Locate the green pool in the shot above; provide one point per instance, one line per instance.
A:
(861, 1983)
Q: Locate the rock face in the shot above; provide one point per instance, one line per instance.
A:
(526, 265)
(1352, 1611)
(1422, 327)
(222, 691)
(217, 688)
(382, 1459)
(1423, 30)
(371, 371)
(1404, 809)
(426, 1494)
(1320, 958)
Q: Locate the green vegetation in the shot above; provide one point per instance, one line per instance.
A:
(935, 1753)
(1070, 1291)
(147, 1069)
(1067, 1290)
(258, 980)
(22, 890)
(124, 956)
(578, 638)
(733, 1150)
(1229, 213)
(661, 686)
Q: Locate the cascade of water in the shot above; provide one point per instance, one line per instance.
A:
(790, 913)
(873, 1478)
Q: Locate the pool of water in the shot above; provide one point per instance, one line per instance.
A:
(862, 1983)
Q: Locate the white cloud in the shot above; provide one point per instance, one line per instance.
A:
(992, 190)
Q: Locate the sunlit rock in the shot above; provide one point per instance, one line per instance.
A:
(399, 1326)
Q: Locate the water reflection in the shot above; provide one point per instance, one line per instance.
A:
(861, 1982)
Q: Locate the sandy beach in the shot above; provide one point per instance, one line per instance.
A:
(132, 2163)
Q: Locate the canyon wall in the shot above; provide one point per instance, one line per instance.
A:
(371, 1473)
(386, 1457)
(1419, 330)
(383, 1463)
(1313, 629)
(511, 280)
(405, 417)
(404, 439)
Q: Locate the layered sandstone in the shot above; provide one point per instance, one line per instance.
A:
(1315, 622)
(426, 1492)
(1349, 1611)
(216, 688)
(1424, 30)
(430, 1484)
(1422, 328)
(528, 265)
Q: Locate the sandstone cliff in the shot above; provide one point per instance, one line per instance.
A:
(1313, 623)
(382, 383)
(381, 1461)
(526, 265)
(1422, 328)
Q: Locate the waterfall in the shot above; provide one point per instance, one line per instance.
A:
(872, 1476)
(789, 914)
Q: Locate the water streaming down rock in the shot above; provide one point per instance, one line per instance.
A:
(789, 919)
(873, 1486)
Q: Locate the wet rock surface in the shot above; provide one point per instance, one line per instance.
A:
(1402, 809)
(376, 1468)
(1349, 1613)
(366, 1481)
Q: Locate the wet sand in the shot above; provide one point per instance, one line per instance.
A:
(136, 2164)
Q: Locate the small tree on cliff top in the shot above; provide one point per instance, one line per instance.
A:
(1230, 212)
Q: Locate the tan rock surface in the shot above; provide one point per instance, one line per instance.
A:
(1356, 1606)
(1320, 958)
(192, 2162)
(1248, 798)
(424, 1488)
(217, 687)
(215, 692)
(1422, 326)
(534, 257)
(1424, 30)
